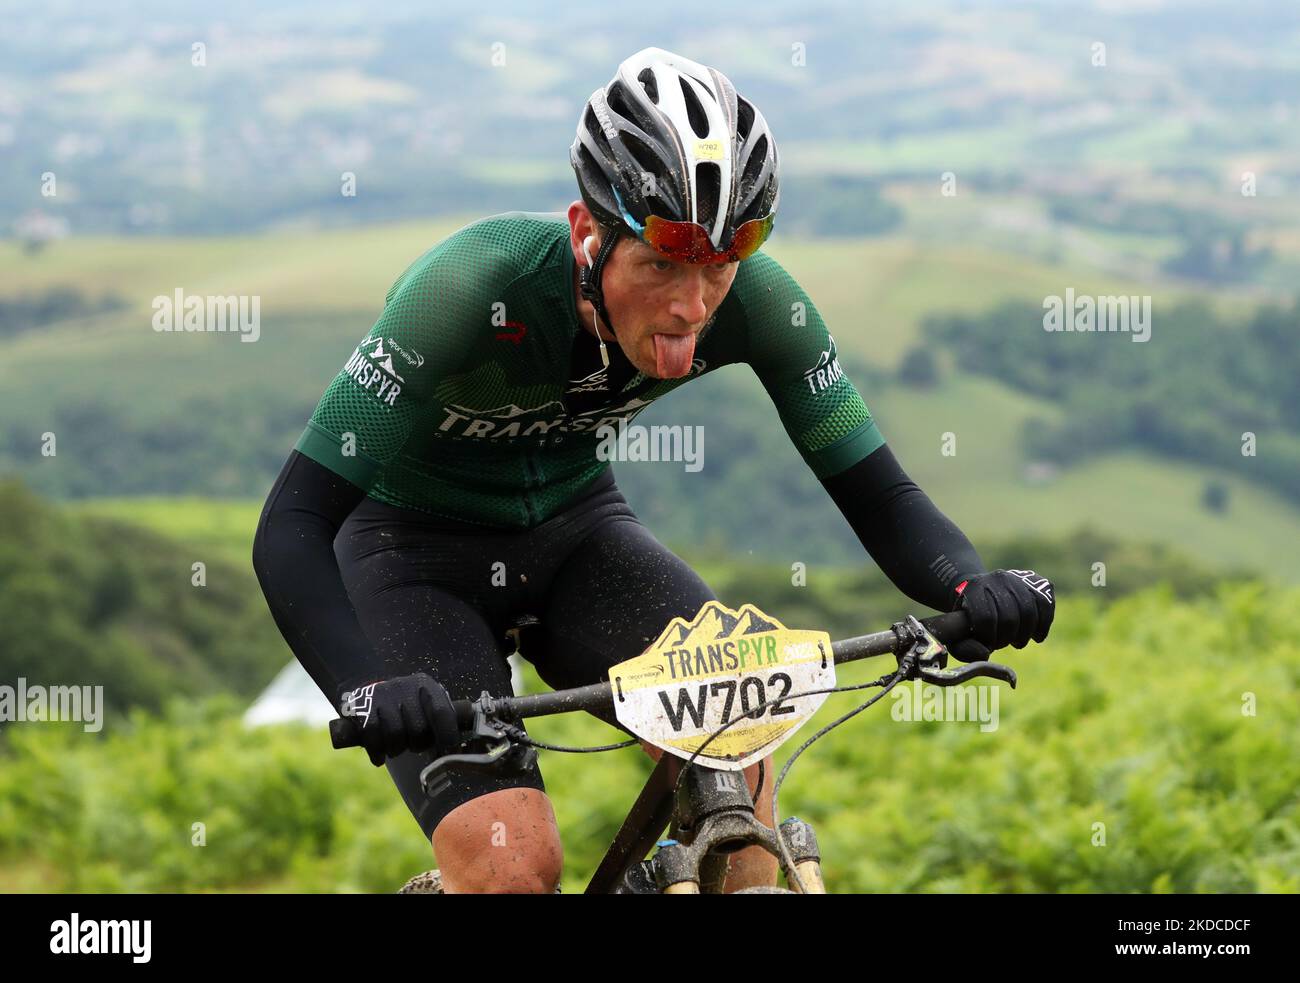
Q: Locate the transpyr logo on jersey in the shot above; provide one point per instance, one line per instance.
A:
(373, 370)
(504, 421)
(826, 372)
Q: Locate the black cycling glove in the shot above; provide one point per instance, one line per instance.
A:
(405, 713)
(1006, 607)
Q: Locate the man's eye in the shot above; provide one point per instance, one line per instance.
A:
(663, 265)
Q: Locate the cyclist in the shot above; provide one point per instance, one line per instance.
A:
(448, 481)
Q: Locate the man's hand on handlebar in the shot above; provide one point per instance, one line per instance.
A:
(405, 713)
(1006, 607)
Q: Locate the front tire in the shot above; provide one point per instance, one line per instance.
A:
(430, 882)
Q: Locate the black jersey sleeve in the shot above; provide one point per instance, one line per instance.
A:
(293, 557)
(918, 547)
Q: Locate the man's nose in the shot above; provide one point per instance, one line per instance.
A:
(688, 300)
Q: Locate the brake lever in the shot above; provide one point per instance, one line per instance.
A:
(501, 755)
(927, 658)
(951, 677)
(919, 649)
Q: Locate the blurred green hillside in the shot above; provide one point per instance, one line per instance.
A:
(96, 601)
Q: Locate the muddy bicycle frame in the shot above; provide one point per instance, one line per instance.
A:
(712, 813)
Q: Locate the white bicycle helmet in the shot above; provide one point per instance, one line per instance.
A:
(670, 137)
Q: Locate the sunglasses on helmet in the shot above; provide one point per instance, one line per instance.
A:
(688, 242)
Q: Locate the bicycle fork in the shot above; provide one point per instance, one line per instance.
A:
(715, 818)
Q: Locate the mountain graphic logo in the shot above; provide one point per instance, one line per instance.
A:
(825, 358)
(716, 621)
(384, 359)
(628, 407)
(510, 410)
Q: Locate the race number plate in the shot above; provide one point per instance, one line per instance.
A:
(721, 666)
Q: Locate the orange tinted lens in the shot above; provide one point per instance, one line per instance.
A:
(689, 243)
(750, 236)
(683, 241)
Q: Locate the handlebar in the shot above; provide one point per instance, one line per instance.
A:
(947, 628)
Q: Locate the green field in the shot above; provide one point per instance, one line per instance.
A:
(872, 292)
(317, 270)
(223, 528)
(1129, 495)
(325, 288)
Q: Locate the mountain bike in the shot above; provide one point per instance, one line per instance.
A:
(707, 808)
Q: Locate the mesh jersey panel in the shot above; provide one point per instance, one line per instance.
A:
(453, 403)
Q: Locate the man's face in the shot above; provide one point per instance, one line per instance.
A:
(658, 305)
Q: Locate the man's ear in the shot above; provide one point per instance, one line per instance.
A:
(582, 221)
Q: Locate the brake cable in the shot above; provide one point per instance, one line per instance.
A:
(520, 736)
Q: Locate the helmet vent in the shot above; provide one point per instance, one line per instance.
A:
(744, 119)
(596, 131)
(647, 79)
(756, 190)
(643, 155)
(694, 111)
(616, 99)
(657, 206)
(754, 166)
(708, 184)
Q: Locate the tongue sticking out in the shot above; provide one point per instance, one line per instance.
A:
(673, 354)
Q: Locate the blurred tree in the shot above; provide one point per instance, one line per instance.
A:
(919, 368)
(1214, 496)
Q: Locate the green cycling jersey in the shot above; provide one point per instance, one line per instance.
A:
(462, 400)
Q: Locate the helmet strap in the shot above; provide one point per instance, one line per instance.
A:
(589, 278)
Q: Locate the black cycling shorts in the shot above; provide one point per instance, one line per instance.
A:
(438, 596)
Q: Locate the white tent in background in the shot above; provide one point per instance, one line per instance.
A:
(292, 697)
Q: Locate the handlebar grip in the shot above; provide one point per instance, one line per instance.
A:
(346, 731)
(464, 713)
(948, 628)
